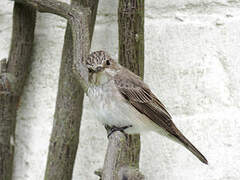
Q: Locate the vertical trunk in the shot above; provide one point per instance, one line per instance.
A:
(6, 122)
(93, 5)
(131, 53)
(13, 78)
(122, 158)
(131, 35)
(68, 112)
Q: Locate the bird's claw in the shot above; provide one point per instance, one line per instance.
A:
(121, 129)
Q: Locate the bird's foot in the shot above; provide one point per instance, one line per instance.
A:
(121, 129)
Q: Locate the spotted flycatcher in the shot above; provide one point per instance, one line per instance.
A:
(123, 101)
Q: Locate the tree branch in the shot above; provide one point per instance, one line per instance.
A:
(69, 104)
(120, 161)
(6, 120)
(93, 5)
(65, 134)
(78, 19)
(49, 6)
(122, 157)
(12, 79)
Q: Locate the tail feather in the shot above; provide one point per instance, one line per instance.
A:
(186, 143)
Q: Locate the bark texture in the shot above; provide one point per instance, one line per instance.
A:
(120, 162)
(122, 158)
(93, 5)
(68, 112)
(78, 20)
(65, 134)
(12, 80)
(6, 123)
(131, 35)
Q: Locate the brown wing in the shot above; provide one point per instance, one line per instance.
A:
(137, 93)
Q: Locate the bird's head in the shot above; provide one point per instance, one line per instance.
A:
(101, 67)
(98, 61)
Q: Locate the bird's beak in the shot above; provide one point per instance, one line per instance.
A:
(98, 69)
(95, 69)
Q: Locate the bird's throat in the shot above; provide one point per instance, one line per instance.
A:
(99, 78)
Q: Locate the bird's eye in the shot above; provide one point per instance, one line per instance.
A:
(108, 62)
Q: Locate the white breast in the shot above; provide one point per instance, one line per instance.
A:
(111, 108)
(103, 101)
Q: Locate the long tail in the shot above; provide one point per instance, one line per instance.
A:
(180, 138)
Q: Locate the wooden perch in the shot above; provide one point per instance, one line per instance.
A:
(120, 162)
(122, 157)
(12, 80)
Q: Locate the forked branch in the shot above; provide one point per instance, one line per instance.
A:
(78, 20)
(67, 119)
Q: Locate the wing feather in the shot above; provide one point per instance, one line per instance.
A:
(137, 93)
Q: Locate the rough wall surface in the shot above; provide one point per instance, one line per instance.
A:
(192, 55)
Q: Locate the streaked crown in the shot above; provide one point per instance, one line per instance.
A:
(97, 57)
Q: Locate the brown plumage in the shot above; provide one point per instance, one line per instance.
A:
(137, 93)
(122, 99)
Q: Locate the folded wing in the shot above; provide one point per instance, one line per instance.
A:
(137, 93)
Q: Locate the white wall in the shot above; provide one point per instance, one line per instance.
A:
(192, 63)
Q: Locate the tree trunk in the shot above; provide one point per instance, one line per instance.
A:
(131, 53)
(131, 35)
(68, 112)
(122, 158)
(6, 121)
(13, 76)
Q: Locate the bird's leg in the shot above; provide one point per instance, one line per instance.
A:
(121, 129)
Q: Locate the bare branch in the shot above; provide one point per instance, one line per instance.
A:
(118, 162)
(12, 79)
(68, 112)
(116, 156)
(49, 6)
(6, 121)
(64, 138)
(92, 5)
(81, 46)
(78, 20)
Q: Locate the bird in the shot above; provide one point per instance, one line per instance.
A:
(121, 100)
